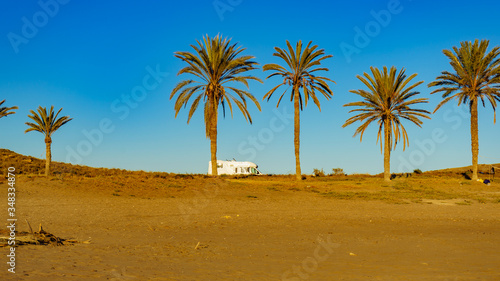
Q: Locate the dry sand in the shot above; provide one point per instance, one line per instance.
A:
(234, 232)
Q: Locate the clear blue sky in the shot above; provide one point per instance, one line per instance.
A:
(88, 56)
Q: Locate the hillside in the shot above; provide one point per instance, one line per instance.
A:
(32, 165)
(482, 169)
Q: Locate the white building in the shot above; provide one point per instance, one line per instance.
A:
(233, 167)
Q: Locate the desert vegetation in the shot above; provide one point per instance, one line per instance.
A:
(476, 79)
(5, 111)
(47, 123)
(301, 76)
(416, 187)
(389, 99)
(216, 63)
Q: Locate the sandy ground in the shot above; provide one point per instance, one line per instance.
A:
(216, 232)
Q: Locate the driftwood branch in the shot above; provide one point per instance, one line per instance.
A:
(35, 238)
(31, 229)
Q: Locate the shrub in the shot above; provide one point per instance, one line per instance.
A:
(337, 171)
(467, 174)
(318, 173)
(417, 171)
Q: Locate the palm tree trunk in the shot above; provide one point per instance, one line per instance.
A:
(213, 140)
(48, 156)
(296, 139)
(387, 151)
(474, 137)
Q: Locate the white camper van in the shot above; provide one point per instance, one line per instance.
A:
(233, 167)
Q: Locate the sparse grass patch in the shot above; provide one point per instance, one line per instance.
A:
(400, 185)
(159, 175)
(401, 193)
(464, 203)
(482, 200)
(431, 193)
(347, 195)
(116, 194)
(184, 176)
(251, 196)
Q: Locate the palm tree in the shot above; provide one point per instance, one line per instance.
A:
(387, 101)
(46, 123)
(476, 77)
(4, 111)
(217, 66)
(301, 77)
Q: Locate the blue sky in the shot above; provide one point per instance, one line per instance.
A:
(111, 67)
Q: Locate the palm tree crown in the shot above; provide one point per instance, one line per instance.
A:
(46, 122)
(476, 78)
(4, 111)
(217, 66)
(300, 73)
(388, 100)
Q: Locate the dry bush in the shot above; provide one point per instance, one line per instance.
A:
(338, 172)
(318, 173)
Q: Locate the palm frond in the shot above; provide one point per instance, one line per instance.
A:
(46, 122)
(5, 111)
(216, 64)
(475, 76)
(300, 63)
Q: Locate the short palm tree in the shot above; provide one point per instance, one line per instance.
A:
(476, 78)
(300, 75)
(217, 67)
(389, 99)
(46, 123)
(4, 111)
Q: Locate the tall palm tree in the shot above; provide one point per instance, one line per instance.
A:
(46, 123)
(217, 66)
(4, 111)
(388, 100)
(476, 77)
(300, 75)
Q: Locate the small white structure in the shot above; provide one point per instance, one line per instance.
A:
(233, 167)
